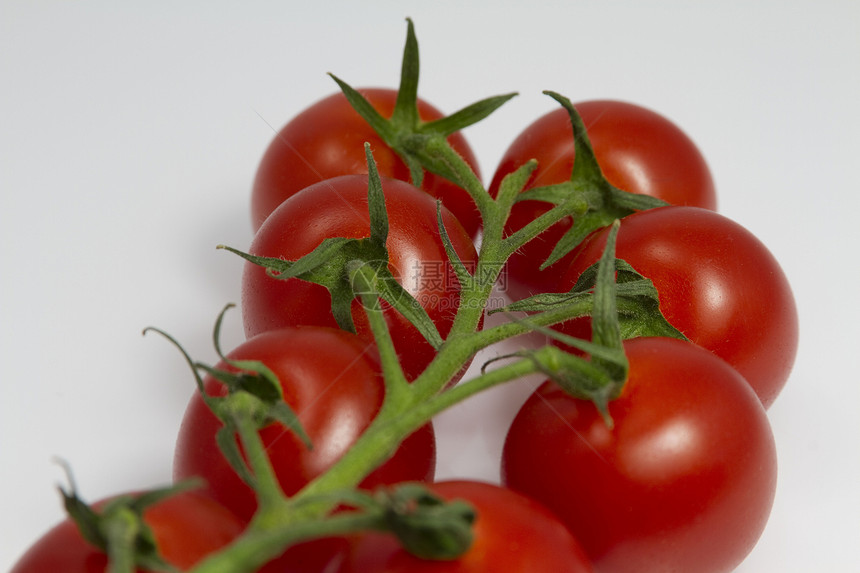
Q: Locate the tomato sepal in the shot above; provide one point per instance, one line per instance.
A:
(423, 145)
(461, 272)
(119, 529)
(253, 401)
(329, 265)
(253, 389)
(426, 525)
(512, 185)
(595, 202)
(637, 301)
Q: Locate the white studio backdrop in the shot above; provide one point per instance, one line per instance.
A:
(130, 134)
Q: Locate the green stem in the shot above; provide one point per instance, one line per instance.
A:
(507, 330)
(270, 497)
(465, 177)
(459, 347)
(397, 417)
(541, 223)
(258, 546)
(364, 284)
(491, 260)
(378, 442)
(387, 432)
(121, 531)
(444, 400)
(463, 340)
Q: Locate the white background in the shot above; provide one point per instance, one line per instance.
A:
(130, 134)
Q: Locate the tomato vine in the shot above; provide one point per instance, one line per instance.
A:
(367, 294)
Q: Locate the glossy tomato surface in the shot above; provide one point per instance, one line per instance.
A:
(331, 379)
(512, 533)
(327, 139)
(683, 481)
(338, 208)
(639, 151)
(187, 527)
(718, 284)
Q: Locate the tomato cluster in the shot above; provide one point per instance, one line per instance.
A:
(684, 478)
(356, 290)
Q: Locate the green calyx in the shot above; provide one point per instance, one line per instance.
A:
(332, 264)
(428, 526)
(588, 196)
(422, 145)
(637, 303)
(118, 528)
(253, 401)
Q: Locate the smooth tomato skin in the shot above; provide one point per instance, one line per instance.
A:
(512, 533)
(718, 284)
(321, 555)
(327, 139)
(638, 150)
(684, 481)
(338, 208)
(187, 527)
(331, 379)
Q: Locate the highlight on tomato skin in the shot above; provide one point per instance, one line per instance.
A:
(327, 139)
(717, 283)
(187, 527)
(639, 150)
(684, 480)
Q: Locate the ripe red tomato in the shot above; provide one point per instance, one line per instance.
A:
(638, 150)
(512, 533)
(187, 527)
(338, 208)
(327, 139)
(718, 284)
(685, 479)
(331, 379)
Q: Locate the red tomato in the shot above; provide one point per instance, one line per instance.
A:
(187, 527)
(327, 140)
(338, 208)
(638, 150)
(718, 284)
(512, 533)
(685, 479)
(331, 379)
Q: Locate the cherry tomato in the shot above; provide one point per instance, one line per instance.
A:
(327, 140)
(331, 379)
(338, 208)
(683, 481)
(187, 527)
(512, 533)
(638, 150)
(718, 284)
